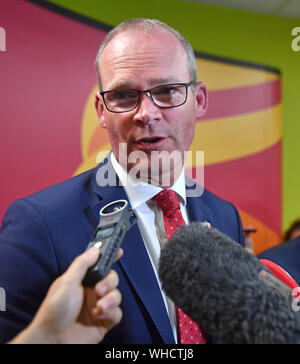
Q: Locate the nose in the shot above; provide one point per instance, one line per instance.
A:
(147, 111)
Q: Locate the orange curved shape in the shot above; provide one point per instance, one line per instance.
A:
(265, 237)
(99, 138)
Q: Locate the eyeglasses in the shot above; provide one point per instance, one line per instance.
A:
(164, 96)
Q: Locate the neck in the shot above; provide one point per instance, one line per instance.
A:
(163, 179)
(154, 171)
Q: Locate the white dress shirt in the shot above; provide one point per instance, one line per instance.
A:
(139, 193)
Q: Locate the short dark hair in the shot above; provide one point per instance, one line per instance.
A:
(293, 228)
(148, 25)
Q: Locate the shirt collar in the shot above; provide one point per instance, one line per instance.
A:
(140, 192)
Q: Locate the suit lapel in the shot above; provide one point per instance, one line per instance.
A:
(135, 263)
(138, 268)
(198, 210)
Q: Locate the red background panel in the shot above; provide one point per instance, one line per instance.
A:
(250, 181)
(47, 74)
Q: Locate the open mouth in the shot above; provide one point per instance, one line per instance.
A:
(150, 141)
(148, 144)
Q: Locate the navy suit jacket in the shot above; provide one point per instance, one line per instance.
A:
(43, 233)
(287, 256)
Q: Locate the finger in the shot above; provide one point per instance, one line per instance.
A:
(108, 303)
(112, 318)
(109, 283)
(81, 264)
(120, 254)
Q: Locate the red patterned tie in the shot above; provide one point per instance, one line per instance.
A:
(188, 331)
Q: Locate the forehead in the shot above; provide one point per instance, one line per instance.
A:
(143, 56)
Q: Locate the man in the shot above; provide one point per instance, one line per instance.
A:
(149, 101)
(73, 315)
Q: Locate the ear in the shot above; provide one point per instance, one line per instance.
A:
(100, 110)
(201, 99)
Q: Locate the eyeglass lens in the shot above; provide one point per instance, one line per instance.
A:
(163, 96)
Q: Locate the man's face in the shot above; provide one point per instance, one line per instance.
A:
(134, 60)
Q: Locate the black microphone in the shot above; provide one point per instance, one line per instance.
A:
(219, 285)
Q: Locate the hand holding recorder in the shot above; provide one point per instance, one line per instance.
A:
(72, 314)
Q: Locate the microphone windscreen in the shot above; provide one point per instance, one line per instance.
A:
(217, 283)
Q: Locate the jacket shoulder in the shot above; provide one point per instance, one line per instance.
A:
(218, 204)
(63, 192)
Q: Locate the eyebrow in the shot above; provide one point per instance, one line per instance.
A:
(154, 82)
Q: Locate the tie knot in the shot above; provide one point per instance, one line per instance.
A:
(167, 200)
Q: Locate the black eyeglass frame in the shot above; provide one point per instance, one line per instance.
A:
(149, 92)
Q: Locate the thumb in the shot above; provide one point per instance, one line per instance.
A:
(81, 264)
